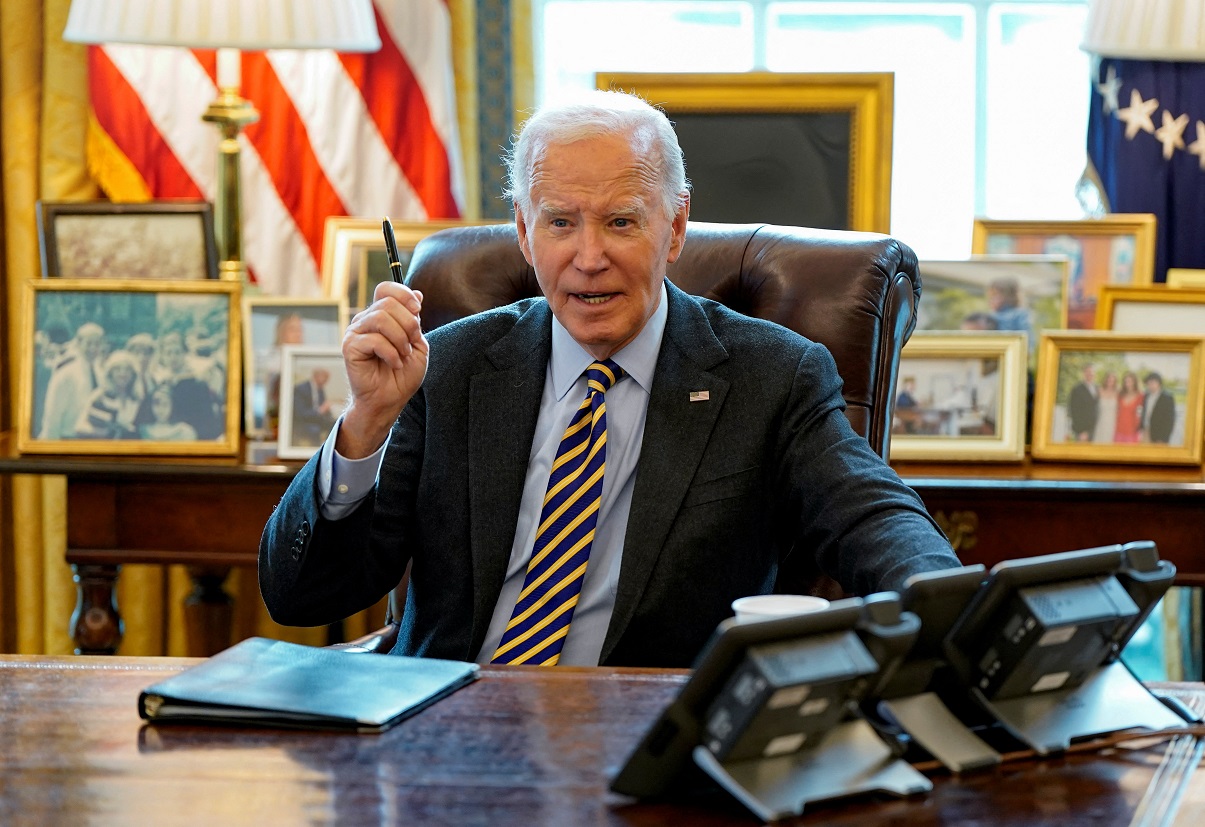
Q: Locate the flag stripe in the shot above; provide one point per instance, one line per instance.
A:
(367, 134)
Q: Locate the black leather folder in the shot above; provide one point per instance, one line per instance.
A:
(261, 682)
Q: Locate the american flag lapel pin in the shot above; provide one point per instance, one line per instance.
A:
(699, 396)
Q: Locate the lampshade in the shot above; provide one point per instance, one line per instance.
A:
(342, 25)
(1146, 29)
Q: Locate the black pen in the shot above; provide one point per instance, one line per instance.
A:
(395, 259)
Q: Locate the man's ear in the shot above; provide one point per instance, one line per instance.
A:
(523, 228)
(678, 239)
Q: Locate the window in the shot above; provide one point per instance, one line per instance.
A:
(991, 97)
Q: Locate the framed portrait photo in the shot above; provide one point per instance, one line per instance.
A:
(101, 240)
(1156, 308)
(1118, 397)
(354, 261)
(961, 396)
(131, 367)
(804, 150)
(313, 394)
(1002, 292)
(269, 324)
(1115, 249)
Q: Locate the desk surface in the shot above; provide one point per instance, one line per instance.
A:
(520, 746)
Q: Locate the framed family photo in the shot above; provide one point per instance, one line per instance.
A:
(152, 240)
(1115, 249)
(1002, 292)
(314, 392)
(1156, 308)
(354, 261)
(805, 150)
(269, 324)
(961, 396)
(131, 367)
(1116, 397)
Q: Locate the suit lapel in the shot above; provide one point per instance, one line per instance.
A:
(504, 403)
(676, 433)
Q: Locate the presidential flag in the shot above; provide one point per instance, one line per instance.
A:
(1146, 144)
(339, 134)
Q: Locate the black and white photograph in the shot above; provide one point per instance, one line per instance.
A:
(132, 367)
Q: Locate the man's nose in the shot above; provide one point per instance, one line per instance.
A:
(591, 249)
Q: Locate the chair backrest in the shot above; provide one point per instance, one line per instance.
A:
(855, 293)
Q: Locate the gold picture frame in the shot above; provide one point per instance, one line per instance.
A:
(270, 323)
(1154, 308)
(788, 128)
(1070, 421)
(961, 397)
(1114, 249)
(131, 366)
(1185, 277)
(353, 254)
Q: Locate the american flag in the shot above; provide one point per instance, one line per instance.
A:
(339, 134)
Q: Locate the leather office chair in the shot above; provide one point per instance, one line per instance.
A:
(856, 293)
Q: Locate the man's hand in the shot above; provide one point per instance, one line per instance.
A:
(385, 354)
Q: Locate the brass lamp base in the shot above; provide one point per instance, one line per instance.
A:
(229, 113)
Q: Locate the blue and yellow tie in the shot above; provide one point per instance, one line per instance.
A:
(540, 621)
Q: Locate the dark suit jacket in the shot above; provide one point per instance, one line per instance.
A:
(1082, 407)
(1162, 417)
(311, 424)
(725, 488)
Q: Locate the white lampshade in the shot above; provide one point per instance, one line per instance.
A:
(343, 25)
(1146, 29)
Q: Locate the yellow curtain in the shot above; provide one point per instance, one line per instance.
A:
(43, 125)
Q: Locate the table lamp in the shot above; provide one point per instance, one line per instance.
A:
(1146, 30)
(228, 26)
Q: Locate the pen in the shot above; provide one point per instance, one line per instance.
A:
(395, 260)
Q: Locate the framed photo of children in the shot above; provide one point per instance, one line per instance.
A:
(1116, 397)
(151, 240)
(314, 391)
(961, 396)
(269, 324)
(1022, 292)
(1115, 249)
(131, 367)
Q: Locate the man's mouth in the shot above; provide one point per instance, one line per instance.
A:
(594, 298)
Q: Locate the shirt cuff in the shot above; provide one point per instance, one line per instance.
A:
(344, 483)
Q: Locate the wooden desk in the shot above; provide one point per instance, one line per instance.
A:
(208, 514)
(520, 746)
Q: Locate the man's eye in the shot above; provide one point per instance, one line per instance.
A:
(559, 222)
(623, 222)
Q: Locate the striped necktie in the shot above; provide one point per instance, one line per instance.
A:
(540, 621)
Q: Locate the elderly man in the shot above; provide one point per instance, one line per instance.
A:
(72, 382)
(702, 446)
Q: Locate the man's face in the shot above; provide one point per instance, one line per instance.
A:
(1089, 374)
(1153, 386)
(599, 239)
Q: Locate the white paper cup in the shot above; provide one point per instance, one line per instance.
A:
(762, 606)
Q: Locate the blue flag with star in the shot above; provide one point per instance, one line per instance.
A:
(1146, 142)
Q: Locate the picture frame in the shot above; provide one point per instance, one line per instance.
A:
(131, 366)
(802, 149)
(270, 323)
(961, 397)
(353, 254)
(1114, 249)
(1185, 277)
(310, 410)
(172, 240)
(1070, 421)
(1155, 308)
(1001, 292)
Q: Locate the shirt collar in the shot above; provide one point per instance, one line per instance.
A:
(638, 357)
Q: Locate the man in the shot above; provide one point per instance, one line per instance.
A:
(1158, 410)
(726, 446)
(72, 382)
(1083, 406)
(312, 417)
